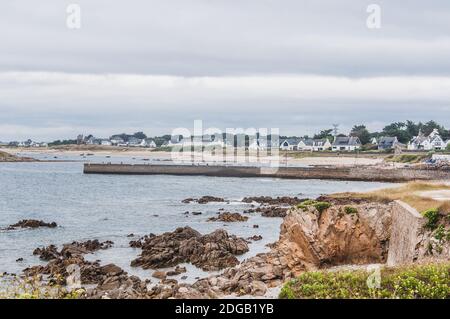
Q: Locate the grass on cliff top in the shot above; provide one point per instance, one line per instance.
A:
(431, 281)
(408, 193)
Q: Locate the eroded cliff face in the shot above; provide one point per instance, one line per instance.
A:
(356, 234)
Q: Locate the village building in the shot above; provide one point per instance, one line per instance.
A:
(148, 142)
(374, 141)
(388, 143)
(346, 143)
(314, 145)
(290, 144)
(427, 143)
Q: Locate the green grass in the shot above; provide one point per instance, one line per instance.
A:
(407, 158)
(431, 281)
(320, 206)
(350, 210)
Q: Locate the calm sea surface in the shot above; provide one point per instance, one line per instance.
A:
(108, 207)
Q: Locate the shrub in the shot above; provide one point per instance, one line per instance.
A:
(350, 210)
(442, 234)
(321, 206)
(432, 216)
(419, 281)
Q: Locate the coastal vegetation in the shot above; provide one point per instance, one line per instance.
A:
(7, 157)
(319, 205)
(14, 287)
(429, 281)
(407, 158)
(409, 193)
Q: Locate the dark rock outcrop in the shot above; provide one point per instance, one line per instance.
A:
(279, 201)
(31, 223)
(269, 211)
(203, 200)
(213, 251)
(72, 249)
(228, 218)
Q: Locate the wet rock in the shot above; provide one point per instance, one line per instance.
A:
(72, 249)
(213, 251)
(31, 223)
(111, 270)
(269, 211)
(19, 259)
(159, 275)
(140, 242)
(178, 270)
(228, 217)
(279, 201)
(255, 226)
(47, 253)
(203, 200)
(255, 237)
(89, 246)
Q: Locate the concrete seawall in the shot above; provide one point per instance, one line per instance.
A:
(333, 173)
(406, 234)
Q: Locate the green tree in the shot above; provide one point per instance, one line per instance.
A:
(325, 134)
(140, 135)
(361, 132)
(397, 129)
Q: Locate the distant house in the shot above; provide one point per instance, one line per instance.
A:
(290, 144)
(105, 142)
(117, 141)
(93, 141)
(388, 143)
(374, 141)
(314, 145)
(148, 142)
(427, 143)
(134, 141)
(346, 143)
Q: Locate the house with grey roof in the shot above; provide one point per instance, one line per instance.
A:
(388, 143)
(314, 145)
(289, 144)
(346, 143)
(427, 143)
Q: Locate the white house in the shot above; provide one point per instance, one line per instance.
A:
(105, 142)
(427, 143)
(290, 144)
(315, 145)
(148, 142)
(346, 143)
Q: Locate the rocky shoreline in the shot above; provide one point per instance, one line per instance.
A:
(315, 234)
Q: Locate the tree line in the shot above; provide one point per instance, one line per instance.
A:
(404, 131)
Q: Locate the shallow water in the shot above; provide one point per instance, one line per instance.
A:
(109, 207)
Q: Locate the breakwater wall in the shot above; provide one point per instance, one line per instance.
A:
(406, 234)
(333, 173)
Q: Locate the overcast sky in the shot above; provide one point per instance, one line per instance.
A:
(296, 65)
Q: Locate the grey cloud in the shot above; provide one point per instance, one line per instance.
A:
(230, 42)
